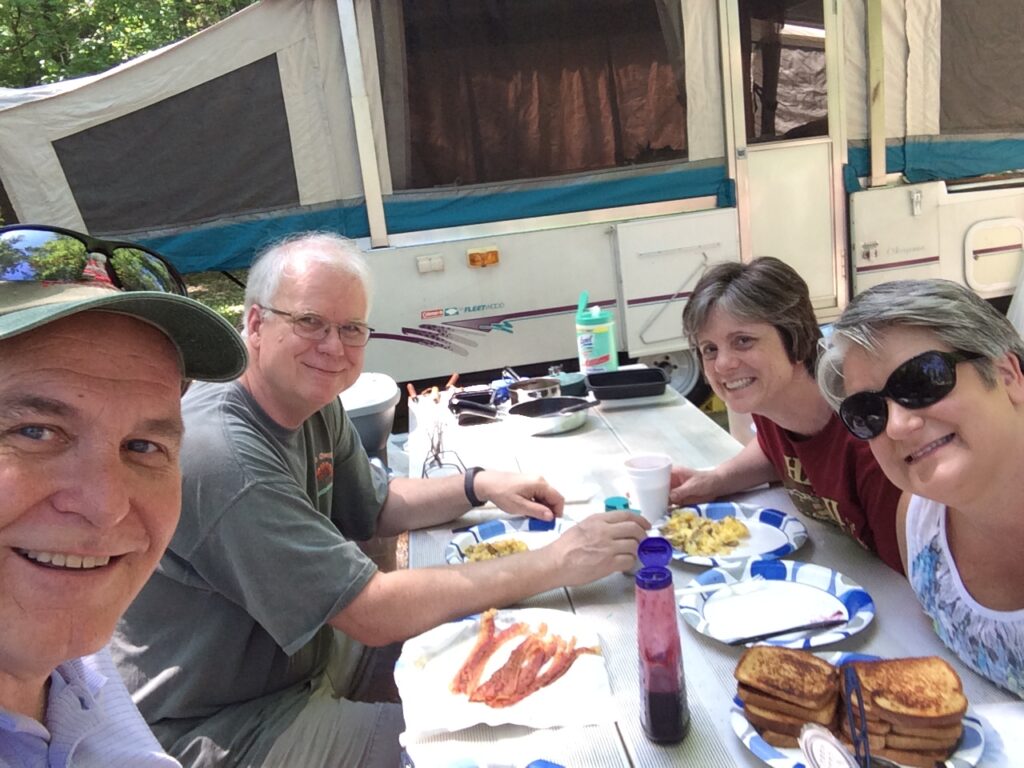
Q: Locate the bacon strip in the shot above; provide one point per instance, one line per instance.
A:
(521, 674)
(487, 642)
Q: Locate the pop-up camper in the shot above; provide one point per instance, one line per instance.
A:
(497, 158)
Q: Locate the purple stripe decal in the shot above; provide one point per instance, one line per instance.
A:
(426, 342)
(898, 264)
(484, 323)
(658, 299)
(997, 249)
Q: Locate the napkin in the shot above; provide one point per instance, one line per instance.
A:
(1003, 723)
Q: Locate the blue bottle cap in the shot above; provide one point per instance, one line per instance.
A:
(655, 553)
(616, 502)
(655, 550)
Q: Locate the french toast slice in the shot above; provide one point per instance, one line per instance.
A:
(910, 758)
(779, 739)
(788, 674)
(920, 743)
(880, 727)
(823, 715)
(766, 719)
(922, 691)
(875, 741)
(937, 732)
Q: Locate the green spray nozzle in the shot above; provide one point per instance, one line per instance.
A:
(584, 297)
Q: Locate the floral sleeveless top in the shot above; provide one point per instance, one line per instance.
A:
(990, 642)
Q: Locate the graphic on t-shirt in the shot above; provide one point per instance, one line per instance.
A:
(802, 493)
(324, 473)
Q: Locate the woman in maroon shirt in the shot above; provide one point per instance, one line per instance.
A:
(756, 335)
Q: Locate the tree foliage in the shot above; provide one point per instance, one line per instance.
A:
(44, 41)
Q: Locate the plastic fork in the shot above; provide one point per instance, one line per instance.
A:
(736, 587)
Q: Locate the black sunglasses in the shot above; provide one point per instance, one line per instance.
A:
(919, 382)
(44, 254)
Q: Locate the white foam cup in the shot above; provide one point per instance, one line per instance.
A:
(649, 476)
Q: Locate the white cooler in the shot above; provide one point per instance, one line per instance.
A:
(370, 403)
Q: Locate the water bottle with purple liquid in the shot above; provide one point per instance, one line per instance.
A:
(666, 715)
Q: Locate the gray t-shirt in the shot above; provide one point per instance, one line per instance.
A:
(223, 644)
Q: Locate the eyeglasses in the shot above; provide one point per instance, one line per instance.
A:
(44, 254)
(919, 382)
(307, 325)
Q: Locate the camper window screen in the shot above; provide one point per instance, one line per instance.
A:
(982, 89)
(217, 149)
(487, 92)
(784, 70)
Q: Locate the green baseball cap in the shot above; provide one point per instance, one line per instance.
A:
(209, 348)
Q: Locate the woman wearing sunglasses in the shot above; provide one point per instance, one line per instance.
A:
(754, 328)
(929, 375)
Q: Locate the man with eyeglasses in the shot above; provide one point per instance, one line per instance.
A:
(96, 341)
(261, 638)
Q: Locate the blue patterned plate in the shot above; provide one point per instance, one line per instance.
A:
(791, 593)
(534, 533)
(773, 533)
(968, 751)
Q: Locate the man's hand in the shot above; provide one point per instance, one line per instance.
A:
(689, 486)
(601, 544)
(520, 494)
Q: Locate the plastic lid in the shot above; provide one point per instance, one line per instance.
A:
(594, 316)
(655, 550)
(823, 750)
(655, 553)
(613, 503)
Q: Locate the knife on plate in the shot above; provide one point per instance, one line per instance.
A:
(828, 623)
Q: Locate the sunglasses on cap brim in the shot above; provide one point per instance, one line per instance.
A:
(44, 254)
(921, 381)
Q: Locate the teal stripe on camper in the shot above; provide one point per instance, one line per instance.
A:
(928, 158)
(850, 181)
(233, 245)
(859, 158)
(473, 206)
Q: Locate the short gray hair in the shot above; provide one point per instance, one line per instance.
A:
(954, 314)
(764, 291)
(314, 247)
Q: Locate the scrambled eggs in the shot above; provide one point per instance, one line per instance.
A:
(696, 535)
(488, 550)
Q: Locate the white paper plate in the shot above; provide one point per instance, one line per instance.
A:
(773, 533)
(792, 593)
(968, 751)
(532, 532)
(429, 663)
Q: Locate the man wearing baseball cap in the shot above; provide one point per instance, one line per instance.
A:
(97, 340)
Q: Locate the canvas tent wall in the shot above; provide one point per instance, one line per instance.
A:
(211, 146)
(232, 122)
(248, 130)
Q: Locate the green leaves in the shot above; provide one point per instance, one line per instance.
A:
(44, 41)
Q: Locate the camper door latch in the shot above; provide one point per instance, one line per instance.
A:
(869, 251)
(915, 201)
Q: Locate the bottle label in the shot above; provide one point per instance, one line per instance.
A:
(596, 347)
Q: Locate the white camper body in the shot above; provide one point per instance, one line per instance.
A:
(496, 159)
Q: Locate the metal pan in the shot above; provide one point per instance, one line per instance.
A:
(530, 389)
(544, 416)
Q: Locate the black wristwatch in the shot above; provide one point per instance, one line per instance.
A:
(470, 477)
